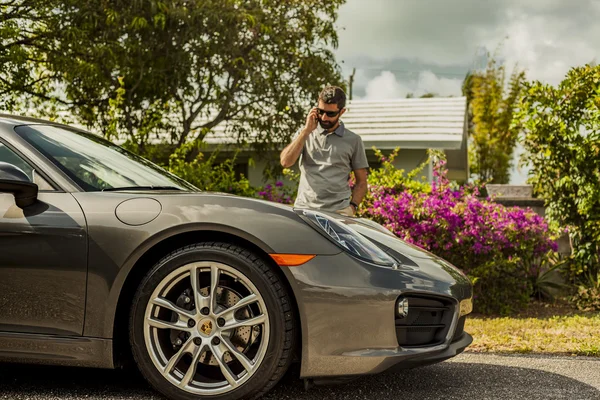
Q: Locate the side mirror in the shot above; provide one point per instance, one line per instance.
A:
(14, 180)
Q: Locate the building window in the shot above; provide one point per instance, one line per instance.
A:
(241, 169)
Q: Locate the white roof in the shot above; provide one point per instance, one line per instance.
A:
(437, 122)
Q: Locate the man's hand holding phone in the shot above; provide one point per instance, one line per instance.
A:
(311, 122)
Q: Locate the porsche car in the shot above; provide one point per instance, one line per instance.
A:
(109, 261)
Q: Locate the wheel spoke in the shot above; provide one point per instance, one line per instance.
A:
(229, 376)
(245, 322)
(214, 282)
(189, 375)
(183, 314)
(177, 357)
(199, 300)
(241, 357)
(228, 313)
(179, 325)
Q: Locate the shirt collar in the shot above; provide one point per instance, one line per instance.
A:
(340, 130)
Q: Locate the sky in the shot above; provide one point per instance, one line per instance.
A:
(420, 46)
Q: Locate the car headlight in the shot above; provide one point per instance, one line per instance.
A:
(350, 240)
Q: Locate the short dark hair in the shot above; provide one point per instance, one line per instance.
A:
(333, 95)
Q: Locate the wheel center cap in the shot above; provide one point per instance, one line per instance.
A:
(206, 327)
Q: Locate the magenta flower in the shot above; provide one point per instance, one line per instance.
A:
(459, 226)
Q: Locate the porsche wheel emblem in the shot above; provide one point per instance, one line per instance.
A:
(206, 327)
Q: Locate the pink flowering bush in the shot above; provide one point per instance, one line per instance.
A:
(277, 193)
(500, 248)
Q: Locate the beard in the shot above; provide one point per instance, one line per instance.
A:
(327, 124)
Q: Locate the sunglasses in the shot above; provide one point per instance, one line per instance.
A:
(330, 114)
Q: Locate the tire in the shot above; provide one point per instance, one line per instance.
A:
(163, 353)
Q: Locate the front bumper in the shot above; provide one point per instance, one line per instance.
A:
(402, 358)
(347, 311)
(432, 357)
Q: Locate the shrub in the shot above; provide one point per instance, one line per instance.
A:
(497, 246)
(561, 133)
(388, 179)
(501, 286)
(207, 174)
(279, 192)
(275, 193)
(587, 297)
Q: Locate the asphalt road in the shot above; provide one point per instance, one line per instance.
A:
(468, 376)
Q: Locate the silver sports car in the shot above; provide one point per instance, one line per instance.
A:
(106, 258)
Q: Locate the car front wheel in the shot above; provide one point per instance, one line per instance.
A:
(212, 321)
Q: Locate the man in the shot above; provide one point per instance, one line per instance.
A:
(327, 156)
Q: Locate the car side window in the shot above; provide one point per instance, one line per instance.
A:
(9, 156)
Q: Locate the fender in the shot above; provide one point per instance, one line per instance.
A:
(156, 240)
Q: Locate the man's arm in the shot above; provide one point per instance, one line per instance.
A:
(360, 164)
(290, 154)
(360, 187)
(292, 151)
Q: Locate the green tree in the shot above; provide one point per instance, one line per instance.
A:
(21, 26)
(174, 69)
(491, 108)
(561, 133)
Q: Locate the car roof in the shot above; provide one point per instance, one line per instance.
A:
(16, 120)
(20, 120)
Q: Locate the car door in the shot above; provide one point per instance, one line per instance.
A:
(43, 258)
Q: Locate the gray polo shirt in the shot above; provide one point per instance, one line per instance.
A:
(325, 165)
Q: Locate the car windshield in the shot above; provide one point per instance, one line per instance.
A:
(96, 164)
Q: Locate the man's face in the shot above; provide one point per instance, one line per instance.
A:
(326, 121)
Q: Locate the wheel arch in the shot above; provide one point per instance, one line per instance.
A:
(122, 356)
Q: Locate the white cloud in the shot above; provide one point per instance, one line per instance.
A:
(547, 47)
(432, 31)
(387, 86)
(431, 83)
(545, 37)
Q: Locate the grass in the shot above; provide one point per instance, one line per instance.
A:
(542, 329)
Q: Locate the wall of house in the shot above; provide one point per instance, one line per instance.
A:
(255, 172)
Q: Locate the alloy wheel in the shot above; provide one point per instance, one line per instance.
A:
(206, 328)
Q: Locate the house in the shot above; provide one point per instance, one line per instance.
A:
(413, 124)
